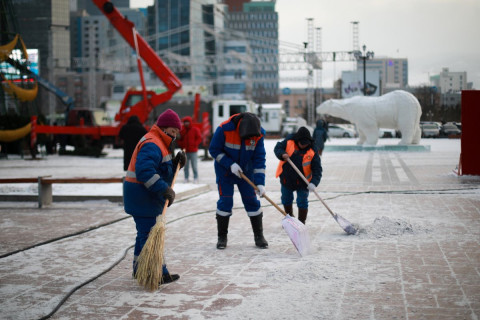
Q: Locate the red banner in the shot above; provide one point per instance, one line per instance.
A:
(206, 128)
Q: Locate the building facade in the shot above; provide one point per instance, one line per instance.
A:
(182, 32)
(259, 22)
(449, 82)
(393, 72)
(45, 25)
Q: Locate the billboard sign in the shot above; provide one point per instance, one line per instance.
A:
(352, 83)
(32, 63)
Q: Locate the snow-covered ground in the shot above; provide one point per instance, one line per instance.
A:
(415, 255)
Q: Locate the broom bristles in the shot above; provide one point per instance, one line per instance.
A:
(150, 260)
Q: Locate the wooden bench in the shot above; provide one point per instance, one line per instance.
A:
(45, 196)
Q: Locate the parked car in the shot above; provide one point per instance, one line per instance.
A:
(430, 130)
(458, 124)
(289, 128)
(449, 129)
(438, 124)
(340, 131)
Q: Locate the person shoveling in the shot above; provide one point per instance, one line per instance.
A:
(297, 149)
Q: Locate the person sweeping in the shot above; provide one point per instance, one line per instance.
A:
(238, 147)
(147, 184)
(300, 149)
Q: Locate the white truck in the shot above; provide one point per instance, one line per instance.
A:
(271, 115)
(224, 109)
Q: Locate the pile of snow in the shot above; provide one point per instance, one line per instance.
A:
(385, 227)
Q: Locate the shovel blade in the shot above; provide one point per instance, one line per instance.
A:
(346, 225)
(298, 234)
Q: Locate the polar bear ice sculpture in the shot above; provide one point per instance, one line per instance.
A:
(398, 110)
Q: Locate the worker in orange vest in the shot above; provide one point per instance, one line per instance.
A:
(299, 147)
(238, 147)
(148, 181)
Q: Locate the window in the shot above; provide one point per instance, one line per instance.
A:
(220, 110)
(234, 109)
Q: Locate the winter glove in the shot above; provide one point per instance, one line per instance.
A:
(236, 169)
(311, 187)
(180, 158)
(261, 190)
(169, 195)
(285, 156)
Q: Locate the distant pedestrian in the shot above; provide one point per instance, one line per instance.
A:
(148, 181)
(300, 149)
(190, 139)
(320, 135)
(131, 133)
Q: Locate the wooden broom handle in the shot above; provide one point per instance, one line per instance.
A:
(244, 177)
(307, 182)
(173, 184)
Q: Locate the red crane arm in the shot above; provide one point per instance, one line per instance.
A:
(124, 27)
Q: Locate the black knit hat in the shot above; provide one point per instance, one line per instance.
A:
(303, 136)
(249, 126)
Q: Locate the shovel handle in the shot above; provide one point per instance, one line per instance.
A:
(307, 182)
(244, 177)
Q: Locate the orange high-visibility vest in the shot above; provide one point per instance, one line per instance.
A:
(233, 140)
(149, 137)
(306, 161)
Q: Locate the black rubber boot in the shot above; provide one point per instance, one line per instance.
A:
(302, 215)
(167, 278)
(257, 227)
(222, 228)
(288, 209)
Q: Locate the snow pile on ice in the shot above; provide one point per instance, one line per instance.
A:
(385, 227)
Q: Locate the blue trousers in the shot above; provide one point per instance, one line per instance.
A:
(249, 198)
(192, 157)
(302, 197)
(143, 225)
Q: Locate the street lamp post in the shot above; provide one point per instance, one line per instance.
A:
(366, 56)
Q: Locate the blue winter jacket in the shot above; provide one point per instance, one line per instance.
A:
(145, 199)
(320, 135)
(227, 148)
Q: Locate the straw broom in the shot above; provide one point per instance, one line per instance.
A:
(151, 258)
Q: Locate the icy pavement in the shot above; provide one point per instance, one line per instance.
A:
(416, 255)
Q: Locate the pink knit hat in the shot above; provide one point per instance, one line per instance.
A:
(169, 118)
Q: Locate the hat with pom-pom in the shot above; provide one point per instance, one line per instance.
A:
(169, 118)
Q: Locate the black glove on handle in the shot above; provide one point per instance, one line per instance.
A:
(180, 158)
(169, 195)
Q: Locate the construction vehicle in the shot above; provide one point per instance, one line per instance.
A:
(136, 102)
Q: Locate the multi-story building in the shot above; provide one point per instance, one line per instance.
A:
(78, 86)
(448, 81)
(98, 47)
(234, 80)
(183, 33)
(44, 25)
(259, 22)
(450, 84)
(393, 72)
